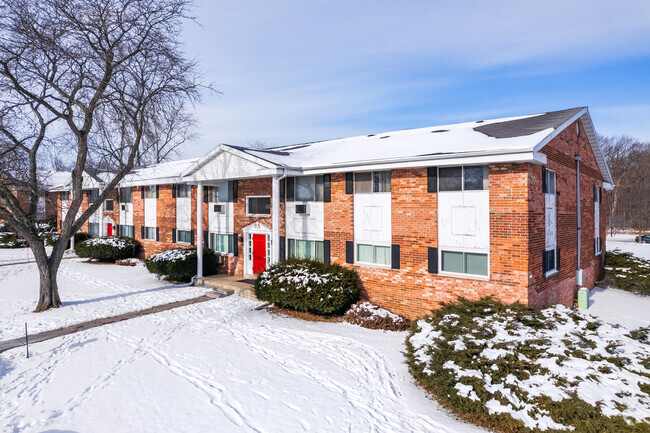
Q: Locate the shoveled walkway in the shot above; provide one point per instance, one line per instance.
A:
(42, 336)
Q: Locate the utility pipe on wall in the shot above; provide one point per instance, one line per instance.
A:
(579, 223)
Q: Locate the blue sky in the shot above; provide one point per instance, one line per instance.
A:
(295, 71)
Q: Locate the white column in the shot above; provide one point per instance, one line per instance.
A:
(275, 219)
(199, 230)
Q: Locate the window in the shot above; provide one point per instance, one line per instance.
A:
(150, 233)
(598, 245)
(258, 205)
(150, 191)
(218, 194)
(550, 260)
(460, 262)
(125, 195)
(108, 205)
(93, 229)
(93, 194)
(470, 178)
(65, 196)
(369, 182)
(123, 230)
(184, 236)
(307, 188)
(183, 190)
(549, 181)
(222, 243)
(376, 254)
(314, 250)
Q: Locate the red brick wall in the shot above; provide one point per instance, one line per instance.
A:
(561, 288)
(412, 291)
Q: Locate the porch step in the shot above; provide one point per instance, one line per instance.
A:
(215, 294)
(227, 285)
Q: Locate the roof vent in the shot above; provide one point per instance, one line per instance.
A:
(371, 135)
(385, 136)
(439, 130)
(480, 121)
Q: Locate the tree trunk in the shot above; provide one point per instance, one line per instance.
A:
(48, 268)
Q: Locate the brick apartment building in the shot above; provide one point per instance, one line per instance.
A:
(424, 215)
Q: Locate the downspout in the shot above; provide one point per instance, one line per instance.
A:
(579, 223)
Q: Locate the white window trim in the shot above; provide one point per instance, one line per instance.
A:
(145, 234)
(462, 178)
(212, 247)
(371, 264)
(258, 214)
(461, 274)
(107, 200)
(182, 242)
(313, 177)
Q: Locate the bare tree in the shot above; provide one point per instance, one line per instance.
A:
(90, 79)
(629, 162)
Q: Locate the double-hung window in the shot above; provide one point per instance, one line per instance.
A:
(184, 236)
(150, 191)
(372, 182)
(124, 230)
(93, 229)
(470, 178)
(373, 254)
(125, 195)
(222, 243)
(183, 190)
(303, 249)
(258, 205)
(218, 194)
(150, 233)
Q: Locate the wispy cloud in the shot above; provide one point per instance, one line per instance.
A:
(292, 71)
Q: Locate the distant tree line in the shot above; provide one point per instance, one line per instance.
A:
(628, 205)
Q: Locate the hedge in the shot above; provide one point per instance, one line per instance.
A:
(180, 264)
(108, 248)
(309, 286)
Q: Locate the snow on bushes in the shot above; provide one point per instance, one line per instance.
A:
(180, 264)
(309, 286)
(374, 317)
(515, 370)
(628, 272)
(108, 248)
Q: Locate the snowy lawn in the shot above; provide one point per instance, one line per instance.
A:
(519, 371)
(218, 366)
(88, 291)
(625, 242)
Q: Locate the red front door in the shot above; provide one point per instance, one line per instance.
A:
(259, 253)
(109, 229)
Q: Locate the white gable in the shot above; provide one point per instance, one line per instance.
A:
(227, 165)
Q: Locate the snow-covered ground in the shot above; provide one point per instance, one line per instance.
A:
(625, 242)
(218, 366)
(88, 291)
(18, 255)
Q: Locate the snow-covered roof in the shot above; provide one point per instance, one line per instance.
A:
(155, 174)
(56, 178)
(497, 140)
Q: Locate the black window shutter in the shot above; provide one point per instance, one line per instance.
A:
(157, 233)
(600, 244)
(544, 263)
(349, 183)
(173, 190)
(394, 252)
(174, 236)
(142, 232)
(142, 192)
(283, 244)
(432, 179)
(235, 245)
(600, 195)
(349, 252)
(595, 193)
(157, 191)
(433, 260)
(326, 252)
(290, 183)
(544, 186)
(283, 186)
(327, 188)
(233, 187)
(117, 196)
(557, 259)
(192, 237)
(206, 193)
(205, 238)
